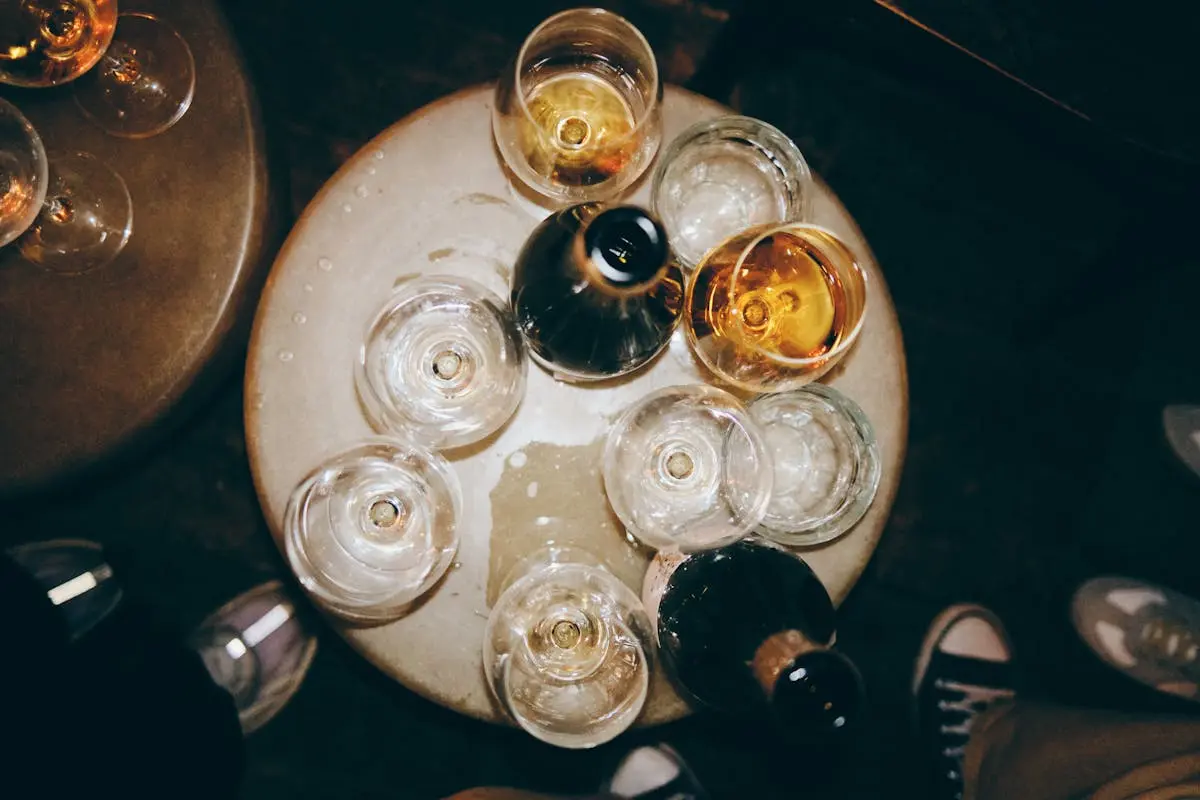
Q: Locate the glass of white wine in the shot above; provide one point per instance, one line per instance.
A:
(72, 213)
(566, 650)
(776, 306)
(577, 117)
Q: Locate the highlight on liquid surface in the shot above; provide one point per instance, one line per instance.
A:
(48, 42)
(786, 300)
(584, 126)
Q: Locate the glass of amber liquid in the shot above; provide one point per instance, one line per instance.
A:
(577, 118)
(776, 306)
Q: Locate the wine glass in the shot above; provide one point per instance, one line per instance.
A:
(577, 117)
(24, 174)
(77, 578)
(257, 649)
(373, 528)
(50, 42)
(441, 361)
(722, 176)
(566, 650)
(145, 81)
(826, 464)
(775, 307)
(687, 468)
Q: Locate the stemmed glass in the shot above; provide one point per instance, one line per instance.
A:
(577, 117)
(775, 307)
(441, 362)
(566, 650)
(373, 528)
(75, 212)
(258, 649)
(686, 468)
(77, 578)
(826, 464)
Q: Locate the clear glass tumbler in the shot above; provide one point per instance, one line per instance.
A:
(374, 528)
(441, 362)
(724, 175)
(566, 650)
(775, 307)
(257, 648)
(826, 464)
(577, 116)
(686, 468)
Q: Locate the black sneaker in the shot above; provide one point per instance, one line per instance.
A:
(964, 668)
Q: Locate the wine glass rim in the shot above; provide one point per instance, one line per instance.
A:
(848, 340)
(42, 165)
(601, 13)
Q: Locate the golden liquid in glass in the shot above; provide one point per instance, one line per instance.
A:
(48, 42)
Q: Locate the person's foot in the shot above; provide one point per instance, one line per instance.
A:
(654, 773)
(964, 668)
(1149, 633)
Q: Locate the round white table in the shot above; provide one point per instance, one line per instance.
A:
(429, 195)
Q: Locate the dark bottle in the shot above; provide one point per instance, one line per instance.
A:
(745, 629)
(596, 293)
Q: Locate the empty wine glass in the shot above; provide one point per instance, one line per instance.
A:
(77, 578)
(775, 307)
(686, 468)
(442, 362)
(566, 650)
(257, 649)
(373, 528)
(826, 464)
(577, 117)
(722, 176)
(50, 42)
(86, 219)
(145, 81)
(24, 174)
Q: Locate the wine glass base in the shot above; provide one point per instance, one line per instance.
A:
(85, 221)
(144, 84)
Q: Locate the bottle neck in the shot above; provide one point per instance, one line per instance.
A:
(622, 250)
(776, 655)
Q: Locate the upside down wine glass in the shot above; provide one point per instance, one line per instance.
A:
(566, 650)
(775, 307)
(373, 528)
(577, 117)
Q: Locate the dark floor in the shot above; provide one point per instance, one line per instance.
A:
(1036, 456)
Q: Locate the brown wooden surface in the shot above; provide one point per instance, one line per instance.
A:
(92, 363)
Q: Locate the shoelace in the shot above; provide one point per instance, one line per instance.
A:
(1172, 643)
(973, 700)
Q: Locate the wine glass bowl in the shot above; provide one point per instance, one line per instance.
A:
(86, 219)
(257, 649)
(686, 468)
(775, 307)
(722, 176)
(565, 655)
(826, 464)
(373, 528)
(442, 362)
(144, 83)
(577, 118)
(24, 174)
(52, 42)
